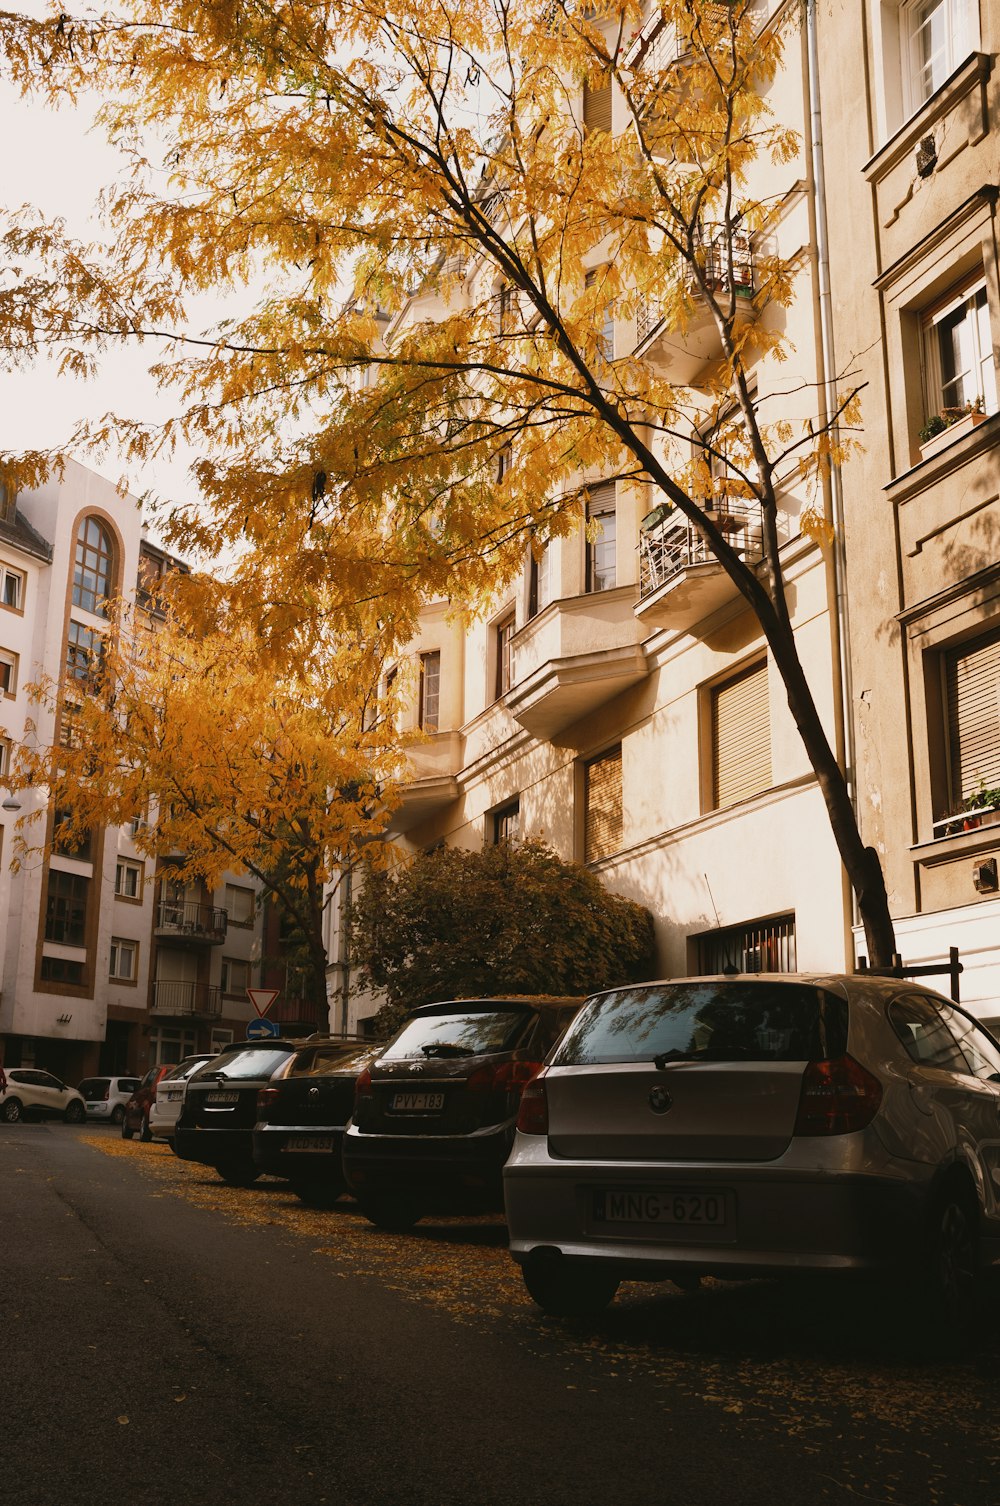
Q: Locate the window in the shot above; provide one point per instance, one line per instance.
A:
(602, 545)
(66, 908)
(504, 461)
(506, 823)
(84, 653)
(4, 757)
(239, 905)
(8, 672)
(539, 581)
(602, 804)
(430, 691)
(925, 1035)
(958, 353)
(128, 880)
(235, 975)
(597, 104)
(504, 635)
(741, 737)
(11, 588)
(124, 954)
(61, 970)
(92, 573)
(761, 946)
(606, 338)
(939, 34)
(79, 846)
(972, 701)
(167, 1044)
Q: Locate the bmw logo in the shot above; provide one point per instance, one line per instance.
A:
(660, 1100)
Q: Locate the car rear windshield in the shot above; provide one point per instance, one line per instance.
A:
(459, 1033)
(187, 1069)
(710, 1021)
(94, 1087)
(319, 1060)
(246, 1064)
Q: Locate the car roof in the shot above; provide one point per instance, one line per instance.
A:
(853, 984)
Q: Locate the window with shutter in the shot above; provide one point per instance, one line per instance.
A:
(602, 797)
(597, 106)
(972, 687)
(741, 737)
(602, 551)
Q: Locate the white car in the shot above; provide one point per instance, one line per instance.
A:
(169, 1097)
(106, 1097)
(33, 1094)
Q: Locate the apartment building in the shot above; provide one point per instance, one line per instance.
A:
(109, 964)
(618, 701)
(913, 166)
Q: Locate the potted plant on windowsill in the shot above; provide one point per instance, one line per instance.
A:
(949, 424)
(981, 808)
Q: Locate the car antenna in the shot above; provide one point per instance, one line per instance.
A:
(730, 970)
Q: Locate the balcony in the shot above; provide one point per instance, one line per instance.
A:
(683, 355)
(680, 580)
(179, 1000)
(572, 657)
(182, 920)
(433, 786)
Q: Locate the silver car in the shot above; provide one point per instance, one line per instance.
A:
(168, 1099)
(745, 1125)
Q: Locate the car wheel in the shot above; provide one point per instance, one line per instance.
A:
(238, 1173)
(145, 1133)
(173, 1146)
(117, 1114)
(954, 1253)
(567, 1290)
(127, 1130)
(12, 1111)
(315, 1193)
(394, 1214)
(74, 1113)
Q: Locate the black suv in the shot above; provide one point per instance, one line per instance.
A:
(434, 1114)
(220, 1108)
(302, 1113)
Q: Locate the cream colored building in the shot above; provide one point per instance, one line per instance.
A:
(618, 700)
(913, 165)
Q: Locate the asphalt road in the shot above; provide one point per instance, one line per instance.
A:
(164, 1339)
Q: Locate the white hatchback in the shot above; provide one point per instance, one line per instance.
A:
(168, 1099)
(106, 1097)
(33, 1094)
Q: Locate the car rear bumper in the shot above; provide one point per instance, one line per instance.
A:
(272, 1152)
(100, 1110)
(443, 1170)
(775, 1221)
(213, 1146)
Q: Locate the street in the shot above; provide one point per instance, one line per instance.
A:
(168, 1339)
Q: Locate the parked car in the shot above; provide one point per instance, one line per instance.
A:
(106, 1097)
(302, 1113)
(136, 1120)
(33, 1094)
(749, 1125)
(165, 1105)
(220, 1108)
(434, 1114)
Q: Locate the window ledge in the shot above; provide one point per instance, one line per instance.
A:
(955, 454)
(972, 73)
(960, 845)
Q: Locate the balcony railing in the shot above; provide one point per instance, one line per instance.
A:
(185, 1000)
(188, 920)
(675, 545)
(713, 254)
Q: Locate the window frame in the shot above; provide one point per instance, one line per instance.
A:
(129, 865)
(962, 26)
(248, 922)
(93, 560)
(429, 701)
(12, 662)
(503, 635)
(73, 906)
(8, 573)
(602, 503)
(594, 851)
(971, 294)
(225, 978)
(117, 943)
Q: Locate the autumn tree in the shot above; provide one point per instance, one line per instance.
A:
(180, 723)
(506, 919)
(464, 269)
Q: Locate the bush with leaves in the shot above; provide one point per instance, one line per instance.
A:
(505, 920)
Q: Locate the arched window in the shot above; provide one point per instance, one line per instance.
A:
(93, 569)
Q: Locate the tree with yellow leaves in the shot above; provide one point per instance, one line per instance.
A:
(507, 248)
(223, 760)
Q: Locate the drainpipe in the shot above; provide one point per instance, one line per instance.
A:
(846, 748)
(345, 955)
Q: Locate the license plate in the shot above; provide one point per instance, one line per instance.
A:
(417, 1103)
(222, 1097)
(309, 1142)
(663, 1207)
(171, 1097)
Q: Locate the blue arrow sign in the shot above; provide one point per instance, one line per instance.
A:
(260, 1029)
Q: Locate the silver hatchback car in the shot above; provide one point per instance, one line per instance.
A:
(760, 1124)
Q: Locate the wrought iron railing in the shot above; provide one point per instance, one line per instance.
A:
(177, 999)
(675, 544)
(188, 918)
(728, 265)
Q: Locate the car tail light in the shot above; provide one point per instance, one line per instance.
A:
(265, 1098)
(510, 1077)
(363, 1086)
(533, 1115)
(837, 1098)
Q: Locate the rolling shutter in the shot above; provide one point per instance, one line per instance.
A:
(597, 107)
(972, 677)
(603, 805)
(741, 737)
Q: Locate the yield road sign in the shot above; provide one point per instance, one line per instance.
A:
(262, 998)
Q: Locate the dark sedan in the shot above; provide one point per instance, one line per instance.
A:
(220, 1108)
